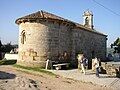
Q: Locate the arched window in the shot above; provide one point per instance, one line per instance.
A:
(23, 37)
(86, 21)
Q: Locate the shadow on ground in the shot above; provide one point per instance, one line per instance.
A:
(108, 77)
(5, 75)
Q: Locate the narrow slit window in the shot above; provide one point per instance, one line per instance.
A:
(23, 37)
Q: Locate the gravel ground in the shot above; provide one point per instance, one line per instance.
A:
(103, 80)
(12, 78)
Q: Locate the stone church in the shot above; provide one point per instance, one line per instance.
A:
(43, 35)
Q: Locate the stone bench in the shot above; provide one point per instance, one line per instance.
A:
(58, 66)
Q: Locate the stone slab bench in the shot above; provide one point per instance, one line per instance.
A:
(58, 66)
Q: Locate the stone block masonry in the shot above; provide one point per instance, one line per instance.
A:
(112, 68)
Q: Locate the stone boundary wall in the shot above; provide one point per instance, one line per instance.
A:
(11, 56)
(112, 68)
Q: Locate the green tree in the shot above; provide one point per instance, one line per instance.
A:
(116, 46)
(0, 45)
(0, 50)
(7, 47)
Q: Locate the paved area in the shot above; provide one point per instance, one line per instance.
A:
(104, 79)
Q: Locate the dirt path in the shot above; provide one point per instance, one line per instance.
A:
(12, 78)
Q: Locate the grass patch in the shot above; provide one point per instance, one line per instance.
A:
(27, 72)
(34, 69)
(71, 79)
(7, 62)
(2, 61)
(13, 62)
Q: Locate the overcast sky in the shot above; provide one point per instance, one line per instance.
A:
(106, 15)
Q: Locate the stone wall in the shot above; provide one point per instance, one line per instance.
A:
(11, 56)
(112, 68)
(88, 43)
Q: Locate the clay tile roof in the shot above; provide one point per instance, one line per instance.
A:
(88, 29)
(43, 14)
(34, 15)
